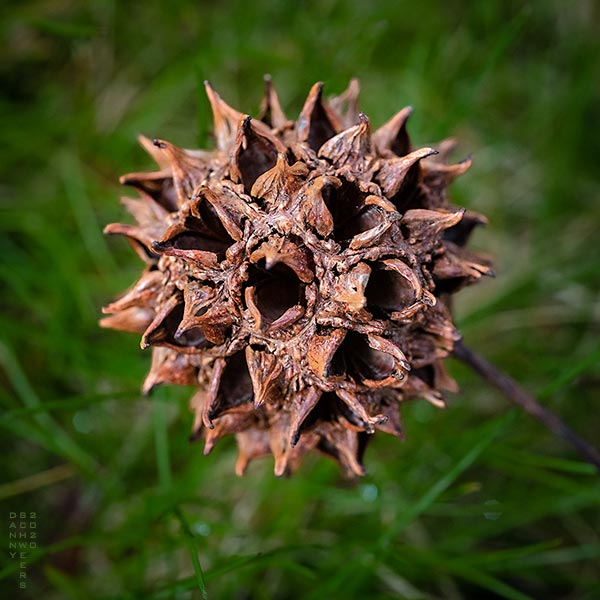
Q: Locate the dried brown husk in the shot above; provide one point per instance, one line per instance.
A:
(299, 275)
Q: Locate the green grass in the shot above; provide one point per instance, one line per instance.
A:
(480, 501)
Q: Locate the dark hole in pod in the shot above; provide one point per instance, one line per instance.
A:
(165, 333)
(210, 220)
(145, 253)
(329, 408)
(161, 189)
(363, 442)
(256, 159)
(461, 232)
(343, 410)
(387, 290)
(324, 410)
(448, 286)
(321, 128)
(235, 388)
(205, 233)
(277, 289)
(409, 193)
(405, 231)
(425, 374)
(401, 144)
(358, 361)
(290, 156)
(350, 215)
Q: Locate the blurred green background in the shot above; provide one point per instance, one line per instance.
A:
(480, 501)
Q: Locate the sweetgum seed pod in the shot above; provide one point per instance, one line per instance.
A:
(299, 275)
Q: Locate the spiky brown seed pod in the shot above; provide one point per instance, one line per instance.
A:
(299, 275)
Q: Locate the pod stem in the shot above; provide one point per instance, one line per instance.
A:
(513, 392)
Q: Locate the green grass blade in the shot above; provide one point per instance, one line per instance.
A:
(63, 443)
(190, 540)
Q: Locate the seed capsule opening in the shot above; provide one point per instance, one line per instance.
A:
(358, 361)
(350, 214)
(235, 387)
(277, 289)
(388, 291)
(163, 332)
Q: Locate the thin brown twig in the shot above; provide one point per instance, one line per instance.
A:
(518, 396)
